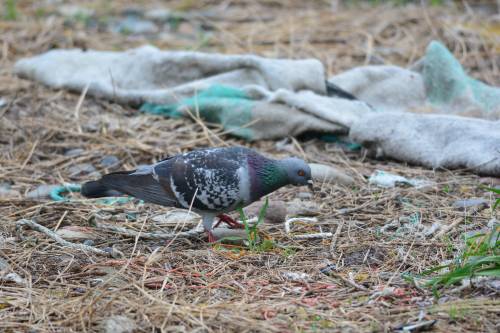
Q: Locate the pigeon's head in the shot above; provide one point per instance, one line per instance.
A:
(298, 171)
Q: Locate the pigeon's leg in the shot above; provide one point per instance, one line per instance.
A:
(211, 237)
(230, 221)
(208, 220)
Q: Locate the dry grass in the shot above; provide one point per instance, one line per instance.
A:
(188, 285)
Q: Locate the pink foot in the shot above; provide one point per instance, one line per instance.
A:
(229, 221)
(211, 237)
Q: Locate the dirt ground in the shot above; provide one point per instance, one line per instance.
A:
(351, 282)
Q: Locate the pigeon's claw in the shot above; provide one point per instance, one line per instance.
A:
(229, 221)
(211, 237)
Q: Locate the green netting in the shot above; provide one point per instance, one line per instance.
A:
(230, 107)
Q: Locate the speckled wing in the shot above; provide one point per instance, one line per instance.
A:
(210, 178)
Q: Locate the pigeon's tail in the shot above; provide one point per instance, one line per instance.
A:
(96, 189)
(141, 184)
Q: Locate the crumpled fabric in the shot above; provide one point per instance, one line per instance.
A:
(393, 113)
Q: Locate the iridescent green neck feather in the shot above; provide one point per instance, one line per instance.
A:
(266, 176)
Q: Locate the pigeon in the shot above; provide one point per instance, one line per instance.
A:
(209, 181)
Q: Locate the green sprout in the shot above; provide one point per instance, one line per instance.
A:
(252, 231)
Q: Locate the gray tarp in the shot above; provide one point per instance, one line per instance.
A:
(420, 116)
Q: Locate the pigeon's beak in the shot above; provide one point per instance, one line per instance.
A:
(310, 185)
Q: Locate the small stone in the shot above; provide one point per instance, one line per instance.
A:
(109, 161)
(303, 208)
(41, 192)
(494, 284)
(74, 232)
(136, 26)
(490, 181)
(275, 213)
(135, 11)
(81, 169)
(329, 268)
(119, 324)
(478, 203)
(88, 242)
(6, 191)
(74, 11)
(327, 174)
(74, 152)
(304, 195)
(175, 217)
(158, 14)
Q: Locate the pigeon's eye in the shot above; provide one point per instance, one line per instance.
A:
(301, 173)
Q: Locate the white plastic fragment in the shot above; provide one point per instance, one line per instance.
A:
(7, 275)
(296, 276)
(288, 222)
(389, 180)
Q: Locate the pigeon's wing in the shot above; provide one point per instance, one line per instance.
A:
(148, 183)
(209, 179)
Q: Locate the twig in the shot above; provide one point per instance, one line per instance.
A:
(318, 235)
(80, 247)
(355, 209)
(60, 220)
(79, 105)
(333, 243)
(350, 282)
(447, 228)
(193, 233)
(29, 155)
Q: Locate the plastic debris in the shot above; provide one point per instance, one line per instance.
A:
(56, 193)
(389, 180)
(7, 275)
(410, 226)
(478, 203)
(420, 326)
(41, 192)
(296, 276)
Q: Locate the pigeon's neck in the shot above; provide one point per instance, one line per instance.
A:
(266, 176)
